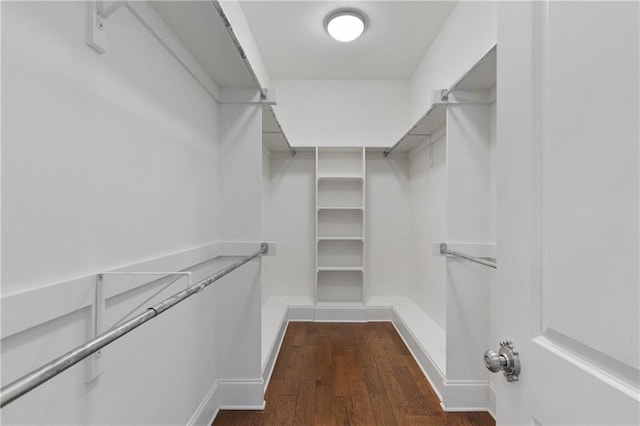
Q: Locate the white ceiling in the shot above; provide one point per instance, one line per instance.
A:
(295, 46)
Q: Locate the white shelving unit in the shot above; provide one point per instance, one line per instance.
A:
(340, 225)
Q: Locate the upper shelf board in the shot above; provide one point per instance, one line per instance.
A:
(273, 137)
(481, 76)
(200, 28)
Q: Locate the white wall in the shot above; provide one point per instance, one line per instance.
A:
(469, 33)
(109, 160)
(469, 224)
(99, 152)
(388, 228)
(341, 112)
(240, 163)
(428, 189)
(266, 203)
(291, 223)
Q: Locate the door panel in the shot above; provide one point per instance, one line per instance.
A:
(568, 210)
(590, 176)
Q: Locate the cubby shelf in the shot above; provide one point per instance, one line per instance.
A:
(340, 225)
(339, 208)
(340, 178)
(340, 268)
(340, 239)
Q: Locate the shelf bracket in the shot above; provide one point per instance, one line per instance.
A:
(94, 368)
(98, 16)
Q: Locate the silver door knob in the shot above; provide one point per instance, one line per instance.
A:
(493, 361)
(506, 359)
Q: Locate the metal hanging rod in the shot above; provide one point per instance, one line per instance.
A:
(30, 381)
(486, 261)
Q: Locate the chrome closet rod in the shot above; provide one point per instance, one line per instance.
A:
(30, 381)
(486, 261)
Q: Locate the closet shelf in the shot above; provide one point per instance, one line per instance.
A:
(333, 304)
(481, 76)
(340, 239)
(339, 208)
(273, 136)
(340, 225)
(339, 177)
(340, 268)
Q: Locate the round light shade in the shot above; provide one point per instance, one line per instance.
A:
(345, 25)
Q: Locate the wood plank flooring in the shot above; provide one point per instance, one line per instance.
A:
(348, 374)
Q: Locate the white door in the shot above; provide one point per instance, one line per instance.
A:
(568, 211)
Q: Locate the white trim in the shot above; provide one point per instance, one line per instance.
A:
(585, 364)
(429, 368)
(228, 395)
(492, 400)
(208, 408)
(300, 313)
(273, 355)
(274, 326)
(466, 395)
(241, 394)
(339, 314)
(379, 313)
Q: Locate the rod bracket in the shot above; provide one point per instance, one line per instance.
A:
(94, 369)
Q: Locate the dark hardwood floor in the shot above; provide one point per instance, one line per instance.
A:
(344, 374)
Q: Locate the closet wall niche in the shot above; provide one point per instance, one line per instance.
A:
(340, 225)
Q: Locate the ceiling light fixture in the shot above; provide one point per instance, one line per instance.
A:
(345, 24)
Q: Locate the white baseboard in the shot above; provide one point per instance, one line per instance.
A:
(463, 395)
(340, 314)
(434, 375)
(267, 368)
(228, 395)
(492, 400)
(301, 313)
(208, 408)
(243, 394)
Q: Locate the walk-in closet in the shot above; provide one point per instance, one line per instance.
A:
(232, 212)
(374, 229)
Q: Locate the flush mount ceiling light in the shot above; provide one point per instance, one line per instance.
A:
(345, 25)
